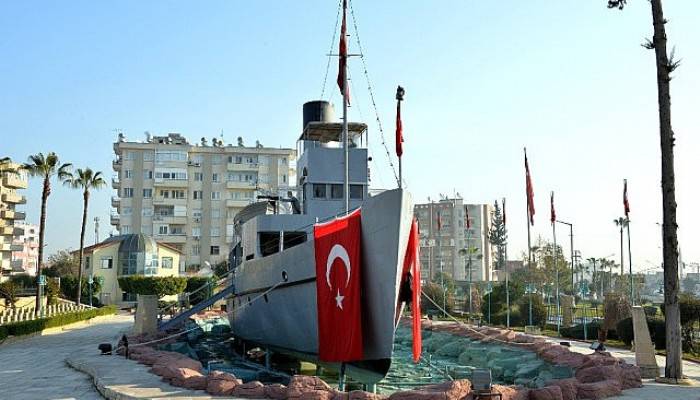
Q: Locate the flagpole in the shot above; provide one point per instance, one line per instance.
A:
(529, 245)
(344, 56)
(505, 267)
(399, 131)
(629, 258)
(554, 257)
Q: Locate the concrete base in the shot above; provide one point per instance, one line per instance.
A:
(146, 316)
(681, 382)
(645, 355)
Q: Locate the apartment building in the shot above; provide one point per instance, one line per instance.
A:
(11, 180)
(186, 195)
(444, 232)
(26, 255)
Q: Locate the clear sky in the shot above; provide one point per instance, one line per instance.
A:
(568, 79)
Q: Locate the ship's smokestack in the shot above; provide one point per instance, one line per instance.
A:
(318, 111)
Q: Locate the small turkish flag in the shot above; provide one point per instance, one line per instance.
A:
(338, 280)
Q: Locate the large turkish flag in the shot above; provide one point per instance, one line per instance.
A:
(338, 270)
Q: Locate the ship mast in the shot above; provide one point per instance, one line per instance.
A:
(346, 138)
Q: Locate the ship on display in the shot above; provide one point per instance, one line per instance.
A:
(274, 304)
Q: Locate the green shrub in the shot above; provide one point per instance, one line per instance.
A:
(24, 280)
(37, 325)
(4, 332)
(52, 290)
(576, 331)
(8, 291)
(657, 331)
(539, 312)
(153, 285)
(194, 283)
(69, 287)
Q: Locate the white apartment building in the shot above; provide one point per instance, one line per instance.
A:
(26, 254)
(12, 179)
(186, 195)
(441, 245)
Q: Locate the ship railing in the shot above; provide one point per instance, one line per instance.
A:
(178, 307)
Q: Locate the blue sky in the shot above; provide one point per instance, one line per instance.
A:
(567, 79)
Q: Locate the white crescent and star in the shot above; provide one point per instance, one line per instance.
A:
(338, 251)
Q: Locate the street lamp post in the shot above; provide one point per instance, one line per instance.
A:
(571, 236)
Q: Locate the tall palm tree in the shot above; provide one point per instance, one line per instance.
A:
(45, 167)
(622, 224)
(86, 180)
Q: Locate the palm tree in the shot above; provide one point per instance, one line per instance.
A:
(86, 180)
(622, 223)
(44, 167)
(593, 261)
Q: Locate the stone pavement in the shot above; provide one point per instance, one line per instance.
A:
(35, 368)
(650, 390)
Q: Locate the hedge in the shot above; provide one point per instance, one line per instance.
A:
(194, 283)
(657, 331)
(153, 285)
(38, 325)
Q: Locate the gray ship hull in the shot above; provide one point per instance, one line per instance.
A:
(285, 318)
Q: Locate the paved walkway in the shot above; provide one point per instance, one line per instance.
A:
(651, 390)
(35, 368)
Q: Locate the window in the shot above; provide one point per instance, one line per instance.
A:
(87, 262)
(177, 230)
(125, 229)
(197, 213)
(319, 191)
(163, 230)
(147, 212)
(129, 264)
(178, 194)
(128, 174)
(147, 156)
(216, 195)
(126, 210)
(216, 213)
(128, 296)
(130, 155)
(171, 175)
(336, 191)
(196, 231)
(167, 262)
(215, 177)
(147, 193)
(356, 192)
(284, 178)
(197, 159)
(232, 176)
(197, 194)
(128, 192)
(215, 231)
(198, 176)
(151, 266)
(162, 156)
(147, 174)
(106, 262)
(249, 177)
(214, 250)
(195, 250)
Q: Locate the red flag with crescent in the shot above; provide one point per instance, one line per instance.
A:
(553, 213)
(530, 192)
(343, 56)
(338, 280)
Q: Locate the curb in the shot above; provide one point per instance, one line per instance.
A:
(58, 329)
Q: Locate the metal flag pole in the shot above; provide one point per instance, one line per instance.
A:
(505, 267)
(529, 245)
(400, 92)
(346, 138)
(629, 258)
(556, 268)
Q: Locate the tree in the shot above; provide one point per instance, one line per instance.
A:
(45, 167)
(432, 294)
(664, 67)
(153, 285)
(60, 264)
(498, 236)
(85, 180)
(622, 224)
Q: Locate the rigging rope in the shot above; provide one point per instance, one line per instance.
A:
(371, 94)
(330, 51)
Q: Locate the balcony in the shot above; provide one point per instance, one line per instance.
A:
(240, 185)
(17, 265)
(115, 182)
(20, 216)
(237, 202)
(15, 180)
(168, 201)
(7, 230)
(180, 238)
(242, 166)
(115, 201)
(176, 183)
(9, 214)
(18, 231)
(5, 247)
(117, 164)
(13, 198)
(17, 247)
(114, 219)
(170, 219)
